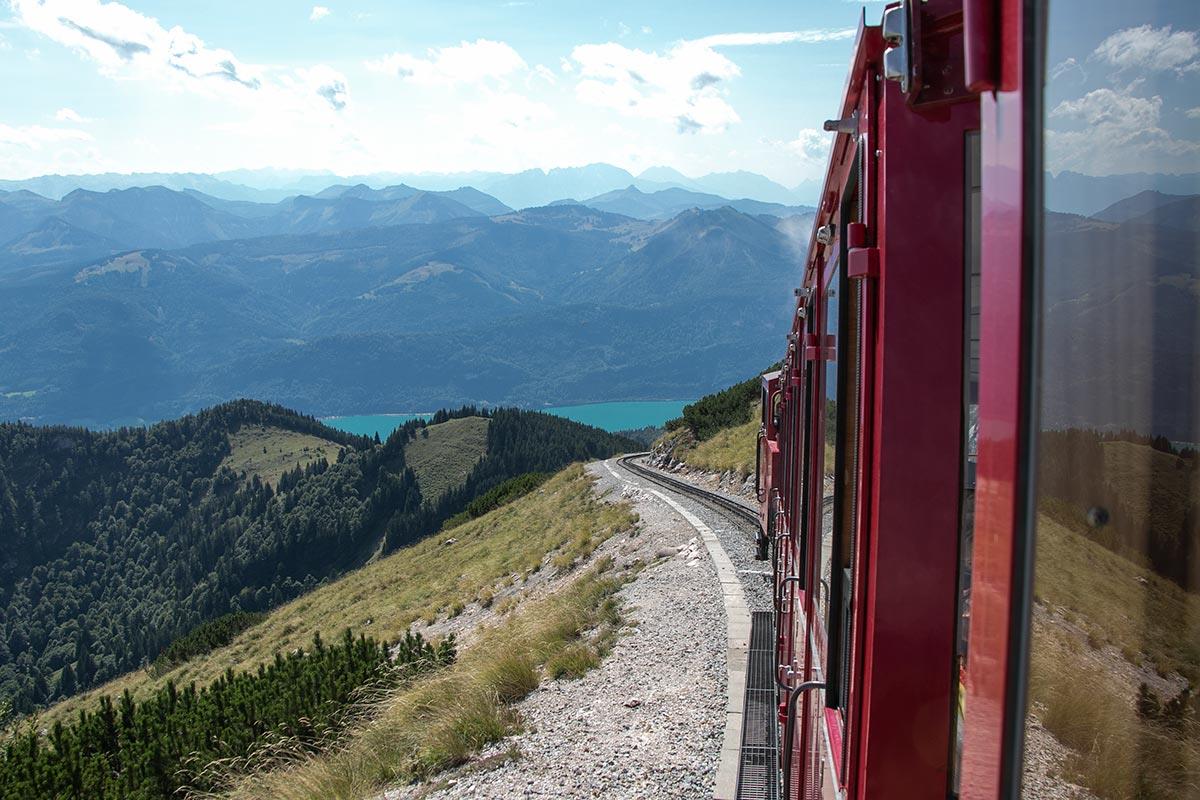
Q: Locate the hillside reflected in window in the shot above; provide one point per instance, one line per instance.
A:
(1115, 659)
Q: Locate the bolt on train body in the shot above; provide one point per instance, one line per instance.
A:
(978, 476)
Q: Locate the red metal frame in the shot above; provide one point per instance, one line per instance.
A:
(999, 518)
(909, 254)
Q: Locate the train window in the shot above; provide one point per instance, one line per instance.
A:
(843, 320)
(970, 426)
(831, 300)
(1115, 607)
(800, 499)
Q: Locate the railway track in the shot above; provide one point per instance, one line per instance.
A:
(731, 508)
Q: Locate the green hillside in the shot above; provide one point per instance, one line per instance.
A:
(1109, 636)
(267, 453)
(486, 563)
(443, 455)
(116, 544)
(718, 432)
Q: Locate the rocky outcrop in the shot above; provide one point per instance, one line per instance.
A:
(669, 454)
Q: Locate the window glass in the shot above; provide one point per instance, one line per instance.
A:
(845, 442)
(1115, 654)
(970, 421)
(832, 301)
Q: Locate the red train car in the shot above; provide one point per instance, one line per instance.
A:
(978, 469)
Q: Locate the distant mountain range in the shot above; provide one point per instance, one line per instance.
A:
(144, 303)
(1072, 193)
(633, 202)
(1068, 192)
(1118, 319)
(93, 224)
(1181, 212)
(147, 302)
(38, 231)
(526, 189)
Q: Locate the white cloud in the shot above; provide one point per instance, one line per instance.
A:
(682, 85)
(326, 83)
(807, 154)
(778, 37)
(811, 145)
(623, 30)
(69, 115)
(1066, 67)
(1110, 107)
(685, 85)
(506, 109)
(35, 137)
(1193, 113)
(318, 13)
(1151, 48)
(129, 45)
(467, 62)
(1111, 131)
(647, 29)
(545, 73)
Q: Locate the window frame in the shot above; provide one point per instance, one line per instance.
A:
(1010, 239)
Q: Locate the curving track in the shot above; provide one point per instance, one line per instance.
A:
(728, 506)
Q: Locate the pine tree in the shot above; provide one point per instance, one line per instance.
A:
(66, 682)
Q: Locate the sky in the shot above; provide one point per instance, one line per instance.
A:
(1122, 86)
(361, 86)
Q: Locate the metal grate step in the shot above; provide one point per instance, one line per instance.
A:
(758, 770)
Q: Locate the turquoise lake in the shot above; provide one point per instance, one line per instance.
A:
(608, 416)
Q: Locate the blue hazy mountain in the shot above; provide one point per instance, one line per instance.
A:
(157, 217)
(530, 188)
(57, 186)
(1086, 195)
(468, 196)
(633, 202)
(555, 304)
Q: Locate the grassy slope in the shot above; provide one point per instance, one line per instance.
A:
(387, 596)
(444, 458)
(1106, 624)
(1155, 485)
(730, 449)
(269, 452)
(1117, 601)
(440, 721)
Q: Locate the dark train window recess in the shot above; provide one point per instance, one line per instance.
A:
(843, 382)
(972, 292)
(1114, 659)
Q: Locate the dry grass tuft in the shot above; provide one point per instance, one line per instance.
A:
(441, 720)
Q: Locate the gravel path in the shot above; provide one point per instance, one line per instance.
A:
(649, 722)
(737, 541)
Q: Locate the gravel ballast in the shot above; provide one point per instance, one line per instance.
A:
(649, 721)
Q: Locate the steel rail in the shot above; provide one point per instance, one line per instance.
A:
(729, 506)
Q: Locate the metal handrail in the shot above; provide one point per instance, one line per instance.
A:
(795, 692)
